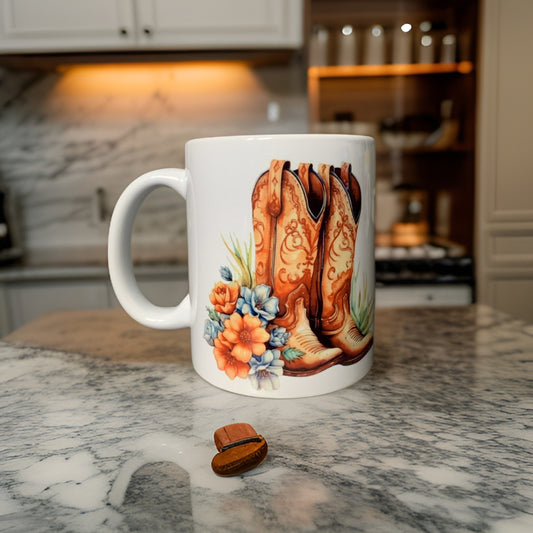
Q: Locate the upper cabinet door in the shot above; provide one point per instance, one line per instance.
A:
(65, 25)
(37, 26)
(216, 24)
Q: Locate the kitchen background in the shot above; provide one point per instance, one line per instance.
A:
(84, 112)
(75, 139)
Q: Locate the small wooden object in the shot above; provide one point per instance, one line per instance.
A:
(240, 449)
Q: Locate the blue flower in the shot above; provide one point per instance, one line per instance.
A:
(221, 319)
(211, 329)
(279, 337)
(266, 370)
(225, 273)
(258, 302)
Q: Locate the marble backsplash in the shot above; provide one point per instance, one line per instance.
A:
(72, 139)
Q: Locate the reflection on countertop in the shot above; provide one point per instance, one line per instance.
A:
(436, 437)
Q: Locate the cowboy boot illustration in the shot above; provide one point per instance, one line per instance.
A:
(288, 210)
(337, 256)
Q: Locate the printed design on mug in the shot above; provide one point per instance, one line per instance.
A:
(246, 342)
(301, 310)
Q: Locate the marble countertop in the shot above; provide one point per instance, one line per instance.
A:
(437, 437)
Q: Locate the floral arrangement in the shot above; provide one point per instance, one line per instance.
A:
(246, 344)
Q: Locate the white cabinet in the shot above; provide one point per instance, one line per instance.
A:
(34, 26)
(220, 24)
(504, 176)
(64, 25)
(28, 294)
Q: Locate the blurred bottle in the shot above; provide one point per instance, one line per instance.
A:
(347, 46)
(319, 47)
(425, 43)
(448, 49)
(402, 44)
(375, 45)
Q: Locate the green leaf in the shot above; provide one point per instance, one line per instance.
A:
(242, 262)
(361, 304)
(213, 315)
(291, 354)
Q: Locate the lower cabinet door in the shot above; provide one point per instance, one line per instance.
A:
(28, 300)
(166, 291)
(22, 301)
(511, 292)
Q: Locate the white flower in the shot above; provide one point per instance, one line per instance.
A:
(266, 370)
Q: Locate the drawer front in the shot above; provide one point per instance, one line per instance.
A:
(426, 295)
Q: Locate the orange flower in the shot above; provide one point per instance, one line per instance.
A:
(224, 296)
(247, 336)
(225, 360)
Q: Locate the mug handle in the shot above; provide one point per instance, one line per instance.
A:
(119, 252)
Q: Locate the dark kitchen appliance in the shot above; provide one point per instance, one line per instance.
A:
(432, 264)
(10, 248)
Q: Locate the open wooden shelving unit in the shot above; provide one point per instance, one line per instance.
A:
(371, 94)
(410, 69)
(316, 75)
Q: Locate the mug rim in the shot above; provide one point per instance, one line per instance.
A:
(278, 136)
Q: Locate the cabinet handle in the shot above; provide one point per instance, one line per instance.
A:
(123, 32)
(148, 31)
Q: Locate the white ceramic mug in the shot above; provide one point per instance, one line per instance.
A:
(281, 260)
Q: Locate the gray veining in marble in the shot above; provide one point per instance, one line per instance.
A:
(437, 438)
(67, 133)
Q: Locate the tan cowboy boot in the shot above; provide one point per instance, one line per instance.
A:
(339, 236)
(287, 217)
(266, 207)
